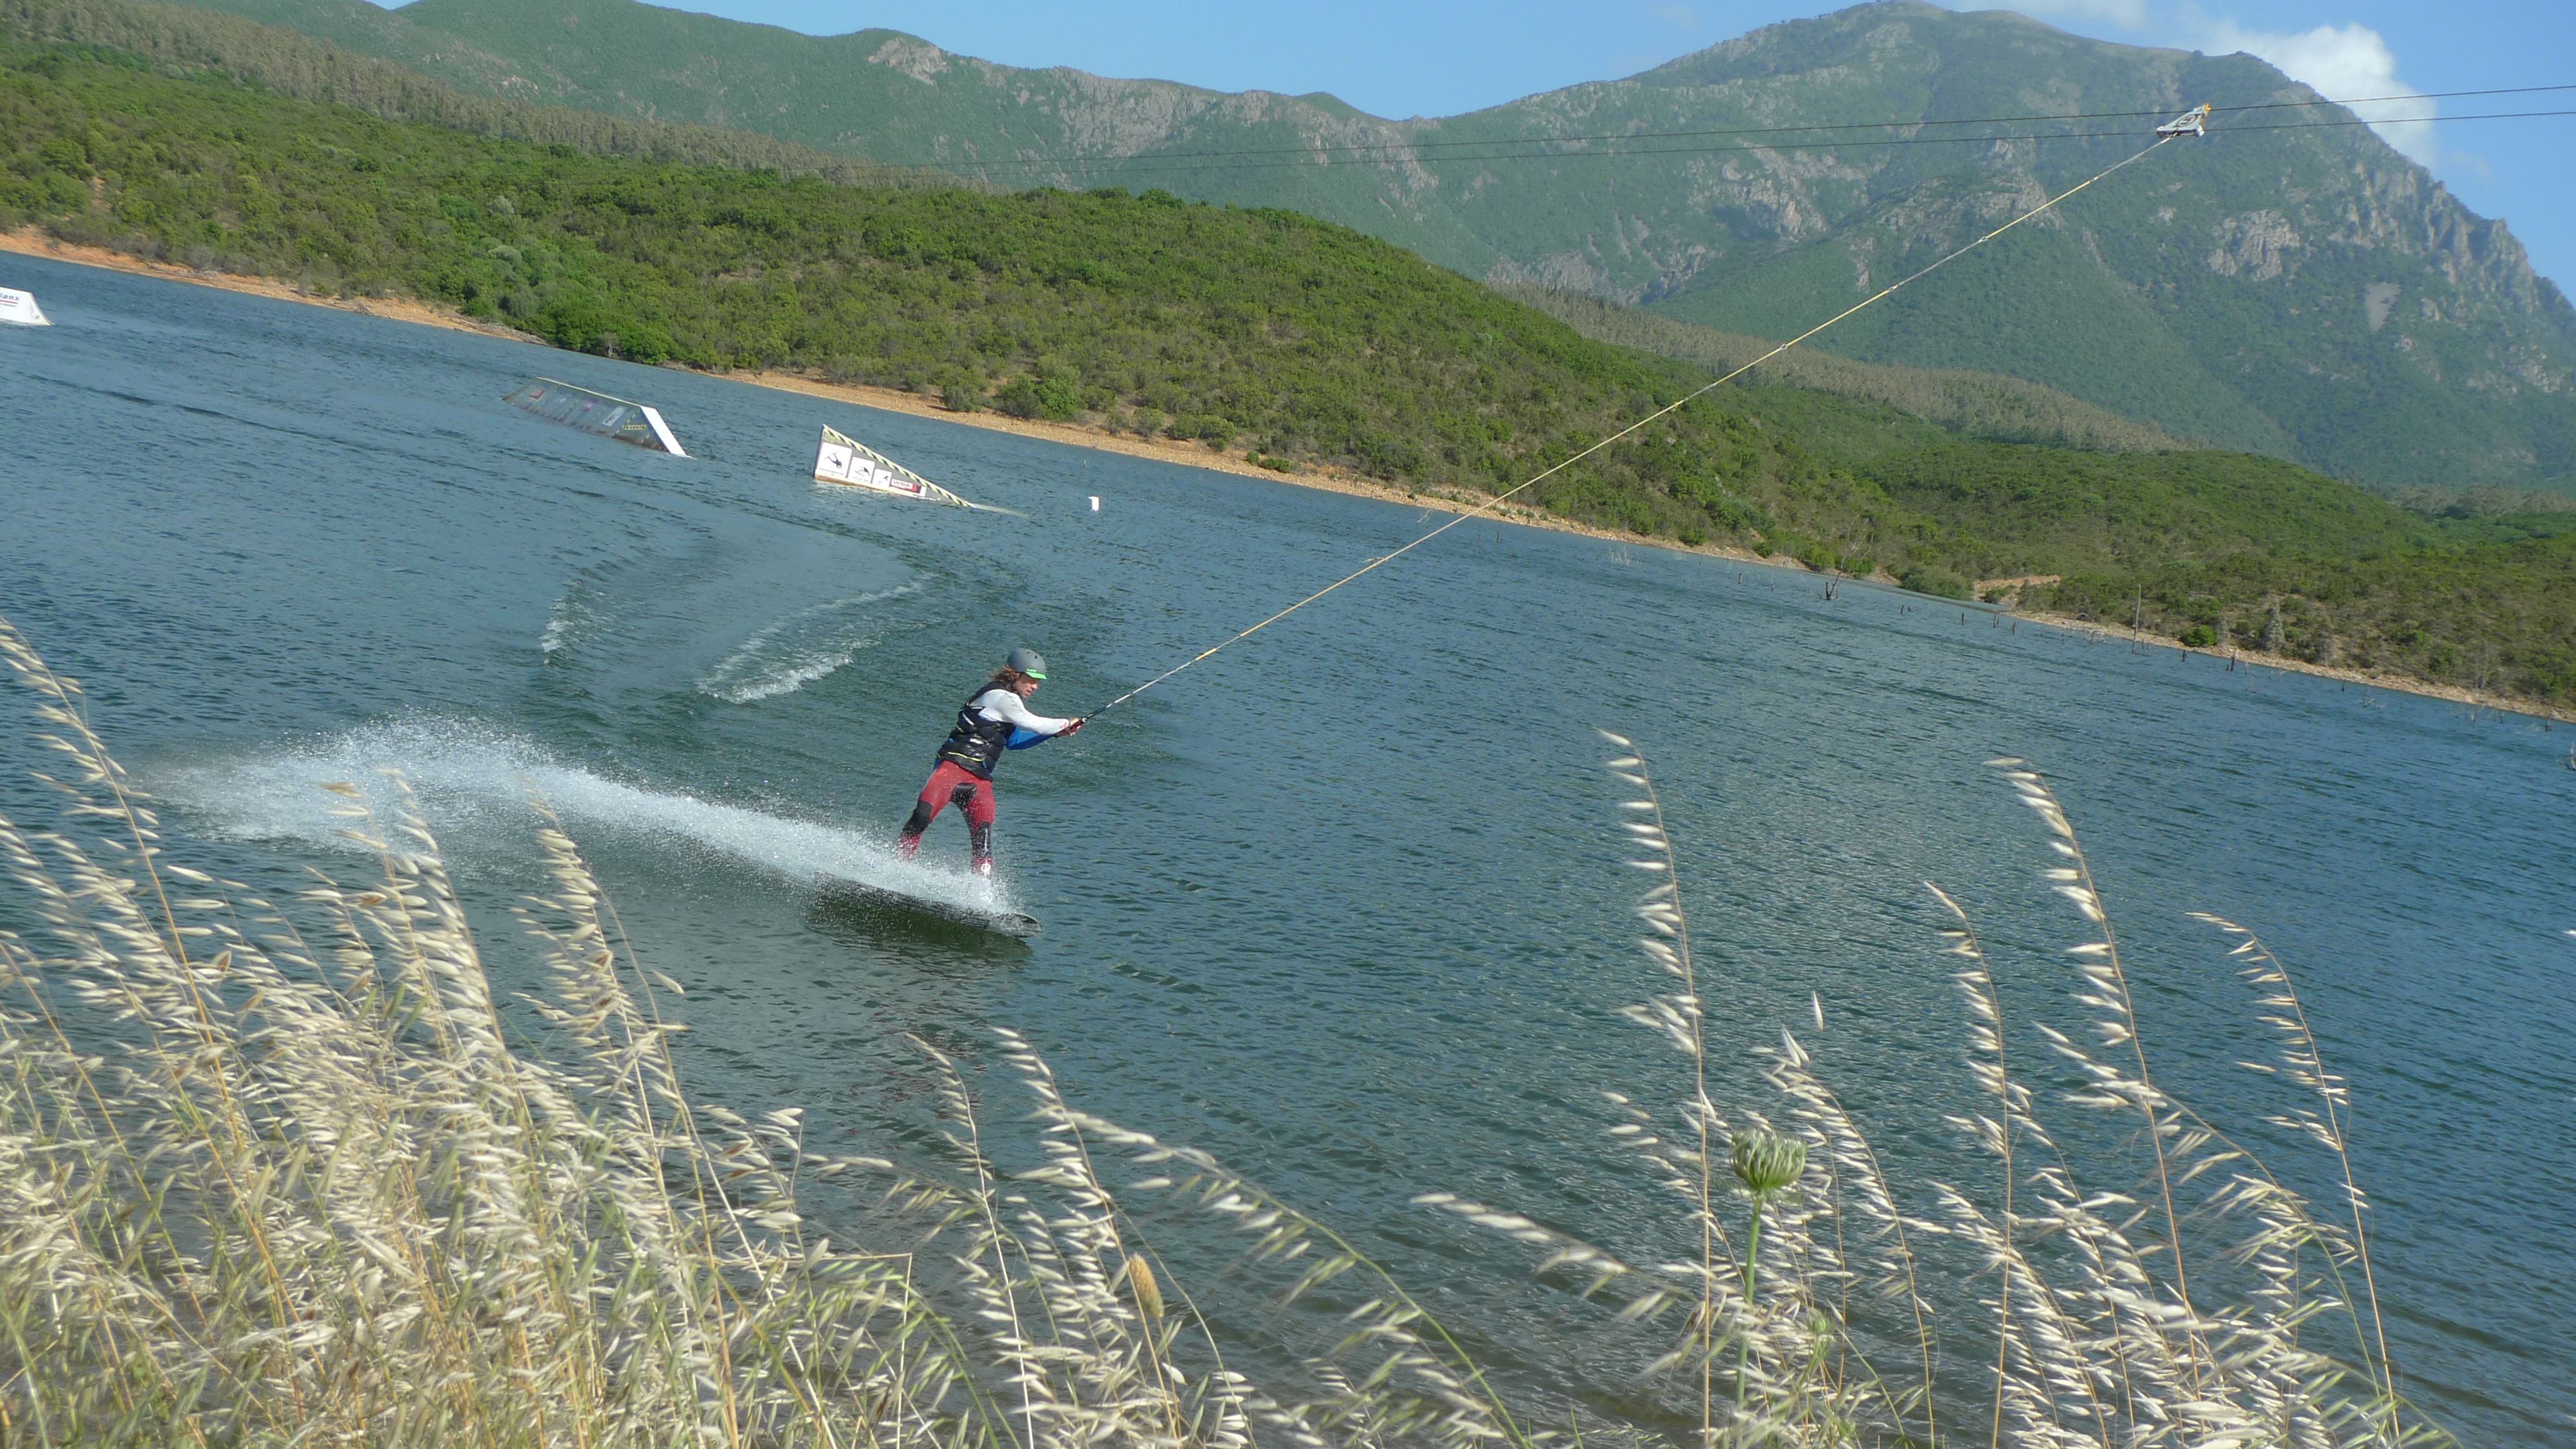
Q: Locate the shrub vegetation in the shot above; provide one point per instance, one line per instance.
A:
(1983, 404)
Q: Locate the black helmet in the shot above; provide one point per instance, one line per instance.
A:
(1029, 662)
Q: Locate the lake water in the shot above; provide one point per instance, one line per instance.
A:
(1343, 905)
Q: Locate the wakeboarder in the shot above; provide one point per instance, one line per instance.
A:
(996, 719)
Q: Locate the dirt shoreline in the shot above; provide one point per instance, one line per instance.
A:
(1200, 455)
(2113, 634)
(30, 241)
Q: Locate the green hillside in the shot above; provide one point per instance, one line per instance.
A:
(1983, 404)
(2397, 613)
(2033, 304)
(2308, 293)
(1267, 331)
(288, 62)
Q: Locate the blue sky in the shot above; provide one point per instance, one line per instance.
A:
(1440, 57)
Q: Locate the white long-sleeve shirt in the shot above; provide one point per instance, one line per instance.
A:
(1005, 706)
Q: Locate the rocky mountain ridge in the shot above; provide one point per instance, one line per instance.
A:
(2284, 286)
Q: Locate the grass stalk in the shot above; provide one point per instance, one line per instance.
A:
(259, 1187)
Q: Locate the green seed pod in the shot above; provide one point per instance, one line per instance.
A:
(1765, 1164)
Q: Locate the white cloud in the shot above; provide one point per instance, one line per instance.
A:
(2345, 63)
(2342, 63)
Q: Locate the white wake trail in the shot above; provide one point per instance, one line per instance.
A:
(790, 653)
(473, 783)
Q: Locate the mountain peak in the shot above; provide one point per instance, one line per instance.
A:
(2308, 292)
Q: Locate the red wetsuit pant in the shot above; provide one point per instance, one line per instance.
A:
(972, 794)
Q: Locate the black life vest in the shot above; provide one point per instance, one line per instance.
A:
(976, 744)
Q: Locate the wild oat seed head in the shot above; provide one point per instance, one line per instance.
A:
(1142, 1287)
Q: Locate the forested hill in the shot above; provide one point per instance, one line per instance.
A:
(1296, 341)
(290, 63)
(1980, 402)
(2308, 293)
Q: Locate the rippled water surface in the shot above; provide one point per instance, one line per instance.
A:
(1342, 905)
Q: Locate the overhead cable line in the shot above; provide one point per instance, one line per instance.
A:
(1357, 147)
(1665, 411)
(1147, 165)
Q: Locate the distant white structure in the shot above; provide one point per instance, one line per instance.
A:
(1095, 503)
(846, 460)
(20, 308)
(596, 412)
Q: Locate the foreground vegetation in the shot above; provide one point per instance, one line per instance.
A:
(264, 1187)
(1300, 343)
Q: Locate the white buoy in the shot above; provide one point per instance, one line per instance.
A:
(21, 308)
(1095, 503)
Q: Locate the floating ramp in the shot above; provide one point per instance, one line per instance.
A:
(20, 309)
(842, 460)
(596, 413)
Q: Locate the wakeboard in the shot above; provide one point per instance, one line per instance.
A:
(1008, 923)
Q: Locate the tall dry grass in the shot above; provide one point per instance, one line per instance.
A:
(289, 1175)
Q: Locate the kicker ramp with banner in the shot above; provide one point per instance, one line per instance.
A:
(843, 460)
(596, 412)
(20, 308)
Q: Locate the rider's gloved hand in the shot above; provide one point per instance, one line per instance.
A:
(1072, 727)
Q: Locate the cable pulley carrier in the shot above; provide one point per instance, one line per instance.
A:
(2189, 123)
(596, 413)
